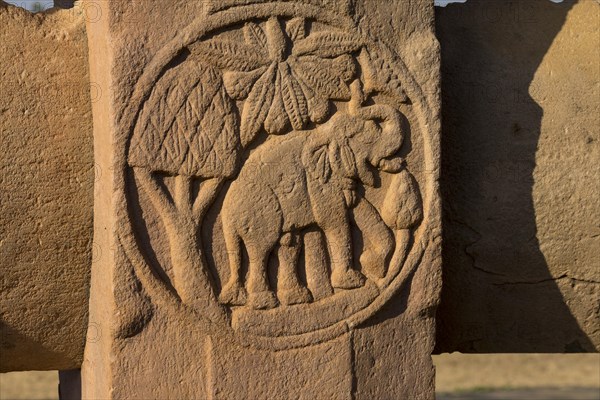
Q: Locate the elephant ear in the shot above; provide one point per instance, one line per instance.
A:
(317, 162)
(343, 160)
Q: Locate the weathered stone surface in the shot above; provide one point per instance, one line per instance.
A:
(46, 180)
(271, 214)
(520, 176)
(489, 72)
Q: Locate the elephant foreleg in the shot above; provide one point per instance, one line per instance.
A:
(339, 240)
(289, 289)
(379, 240)
(331, 214)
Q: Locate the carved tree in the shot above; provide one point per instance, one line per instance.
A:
(188, 128)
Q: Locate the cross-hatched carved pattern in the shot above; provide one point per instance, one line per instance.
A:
(188, 126)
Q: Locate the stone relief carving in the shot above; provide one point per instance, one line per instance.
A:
(316, 186)
(268, 130)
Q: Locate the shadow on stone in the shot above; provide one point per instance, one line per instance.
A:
(498, 292)
(69, 387)
(17, 350)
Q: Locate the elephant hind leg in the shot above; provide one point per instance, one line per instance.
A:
(289, 289)
(233, 293)
(260, 296)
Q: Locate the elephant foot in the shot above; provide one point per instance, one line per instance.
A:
(373, 263)
(347, 279)
(233, 294)
(297, 295)
(262, 300)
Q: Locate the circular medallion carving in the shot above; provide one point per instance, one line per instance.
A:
(279, 165)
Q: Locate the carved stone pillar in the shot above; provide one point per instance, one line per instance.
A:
(271, 217)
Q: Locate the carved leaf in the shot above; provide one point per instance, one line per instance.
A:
(327, 44)
(293, 98)
(188, 126)
(402, 206)
(347, 160)
(238, 84)
(256, 37)
(318, 106)
(342, 67)
(345, 64)
(322, 80)
(231, 55)
(322, 165)
(296, 29)
(275, 39)
(257, 105)
(277, 120)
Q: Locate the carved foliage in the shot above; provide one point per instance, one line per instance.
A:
(286, 77)
(380, 76)
(402, 205)
(189, 125)
(339, 6)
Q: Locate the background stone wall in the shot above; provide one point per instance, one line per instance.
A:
(520, 176)
(46, 181)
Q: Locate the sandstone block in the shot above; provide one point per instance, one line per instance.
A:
(520, 177)
(253, 146)
(47, 176)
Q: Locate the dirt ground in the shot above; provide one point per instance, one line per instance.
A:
(526, 394)
(467, 372)
(31, 385)
(459, 376)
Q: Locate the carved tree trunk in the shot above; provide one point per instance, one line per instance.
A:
(182, 218)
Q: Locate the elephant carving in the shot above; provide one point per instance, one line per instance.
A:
(304, 179)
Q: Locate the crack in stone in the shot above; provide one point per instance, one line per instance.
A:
(564, 276)
(465, 248)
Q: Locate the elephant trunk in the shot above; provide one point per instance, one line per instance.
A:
(388, 121)
(386, 114)
(391, 165)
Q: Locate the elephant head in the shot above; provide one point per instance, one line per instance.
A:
(352, 145)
